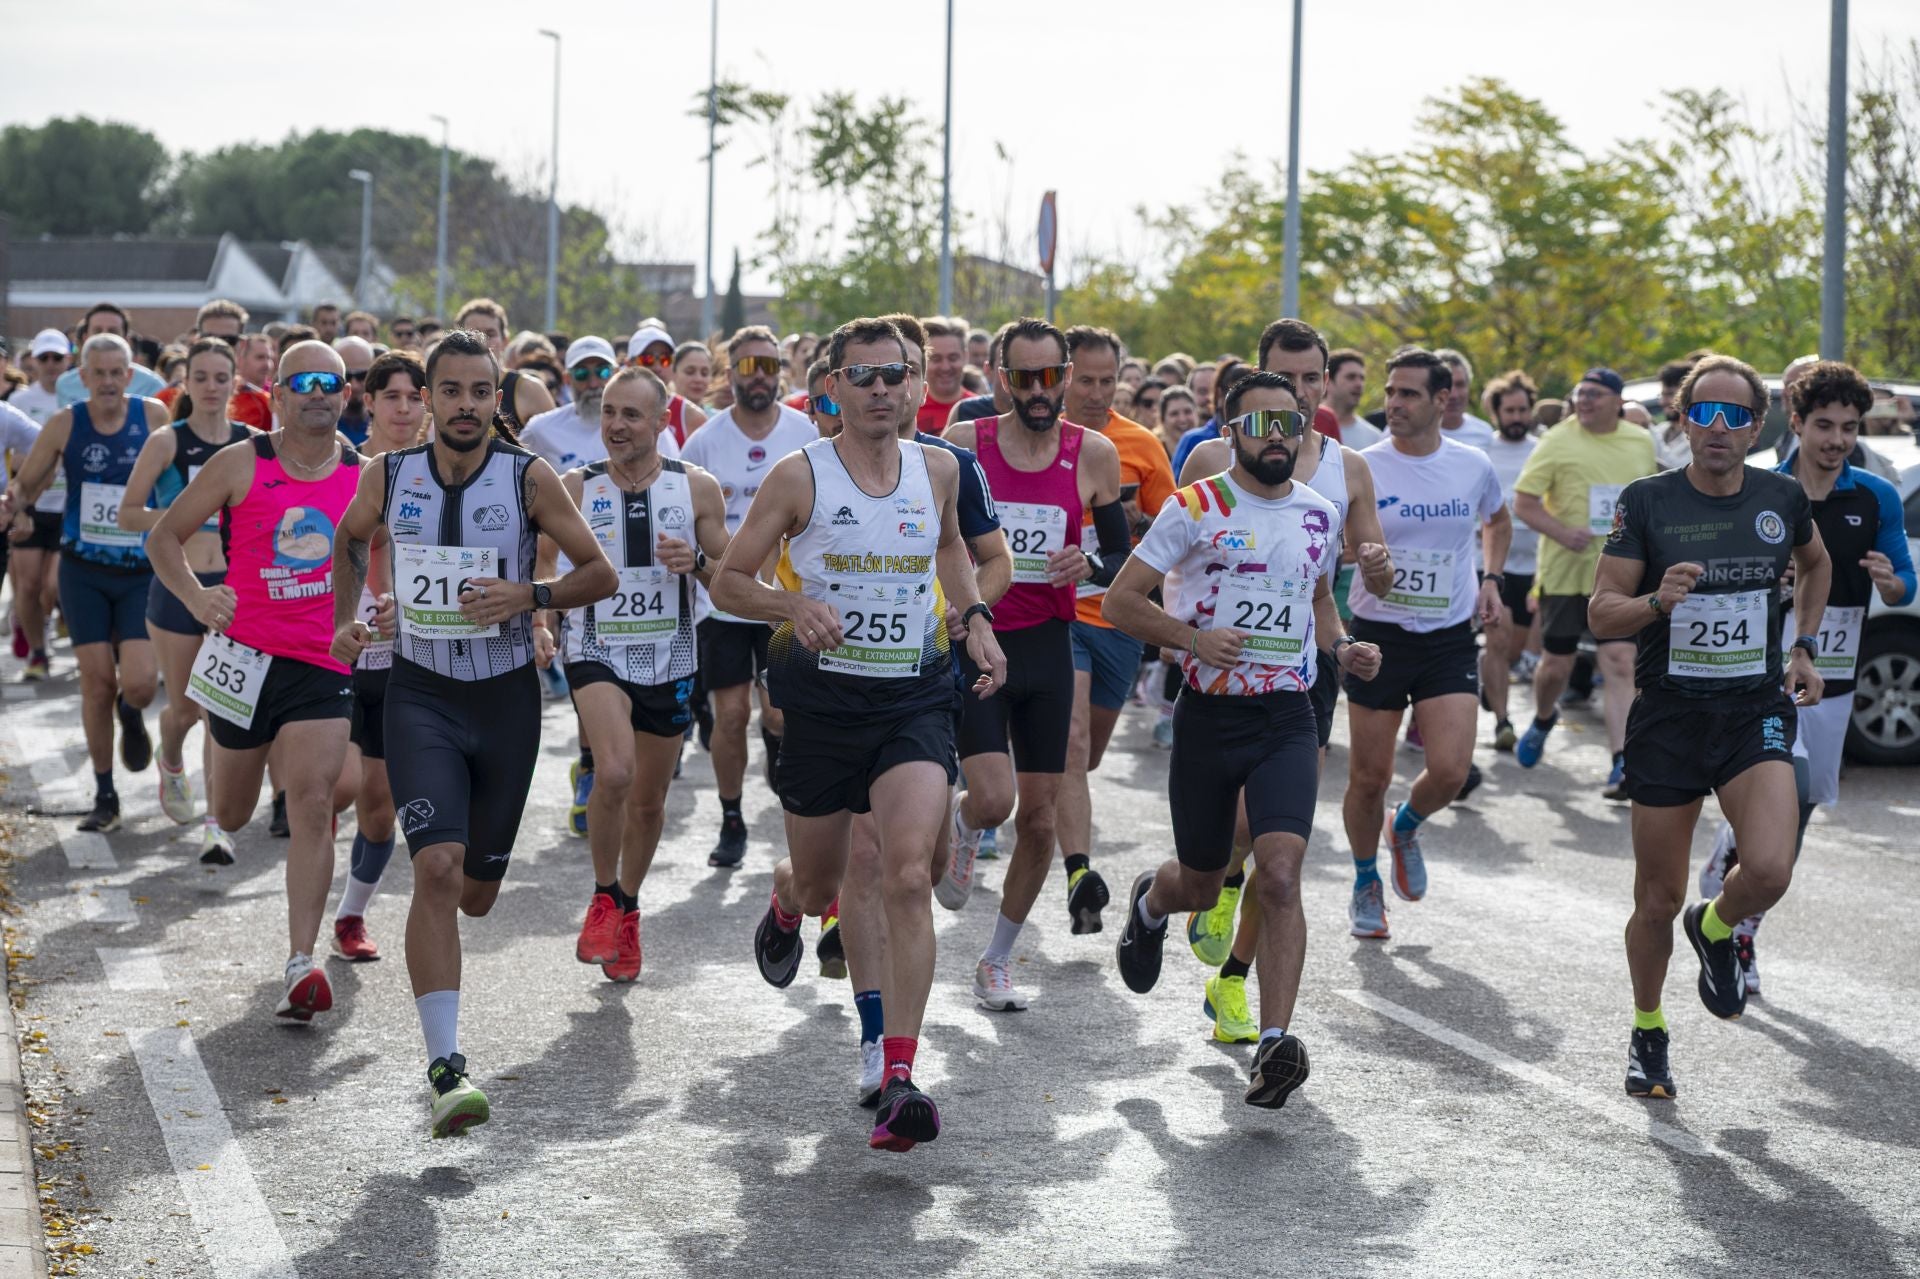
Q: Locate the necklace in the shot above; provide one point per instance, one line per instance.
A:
(332, 457)
(619, 476)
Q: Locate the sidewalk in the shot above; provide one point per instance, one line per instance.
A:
(23, 1239)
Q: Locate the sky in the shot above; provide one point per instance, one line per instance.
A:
(1116, 104)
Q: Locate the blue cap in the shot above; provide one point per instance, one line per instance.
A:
(1605, 377)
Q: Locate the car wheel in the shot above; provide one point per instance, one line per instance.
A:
(1885, 725)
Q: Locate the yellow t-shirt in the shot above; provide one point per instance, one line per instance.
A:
(1579, 475)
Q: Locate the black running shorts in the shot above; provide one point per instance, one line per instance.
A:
(293, 691)
(731, 653)
(370, 712)
(1415, 667)
(828, 764)
(1267, 745)
(1033, 710)
(658, 710)
(1516, 592)
(1682, 748)
(1325, 693)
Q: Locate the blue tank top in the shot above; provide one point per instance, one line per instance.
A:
(97, 470)
(190, 453)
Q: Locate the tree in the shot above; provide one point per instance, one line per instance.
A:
(82, 177)
(733, 308)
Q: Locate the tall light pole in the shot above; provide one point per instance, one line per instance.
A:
(1290, 285)
(440, 237)
(946, 183)
(365, 180)
(713, 116)
(553, 194)
(1833, 275)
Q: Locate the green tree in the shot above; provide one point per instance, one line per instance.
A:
(733, 307)
(82, 177)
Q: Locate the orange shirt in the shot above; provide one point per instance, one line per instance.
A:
(1144, 468)
(249, 406)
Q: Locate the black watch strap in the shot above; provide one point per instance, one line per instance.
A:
(542, 595)
(979, 608)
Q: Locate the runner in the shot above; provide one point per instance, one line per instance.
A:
(1692, 568)
(739, 447)
(523, 396)
(104, 575)
(630, 659)
(33, 558)
(946, 361)
(1437, 498)
(1042, 471)
(265, 674)
(868, 691)
(105, 317)
(1459, 424)
(167, 464)
(1863, 527)
(652, 349)
(1346, 383)
(249, 405)
(461, 515)
(1509, 402)
(692, 374)
(1567, 493)
(1247, 559)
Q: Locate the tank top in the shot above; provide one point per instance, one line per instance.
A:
(1040, 511)
(509, 390)
(190, 453)
(97, 468)
(486, 512)
(627, 526)
(1330, 477)
(279, 542)
(872, 558)
(677, 419)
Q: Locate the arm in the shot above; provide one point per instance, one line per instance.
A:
(694, 416)
(489, 600)
(955, 570)
(1812, 578)
(1208, 458)
(37, 471)
(779, 510)
(530, 399)
(992, 565)
(1532, 510)
(1617, 609)
(156, 455)
(1890, 562)
(1100, 490)
(222, 482)
(352, 549)
(1329, 632)
(1364, 536)
(546, 558)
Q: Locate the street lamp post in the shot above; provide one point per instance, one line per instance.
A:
(365, 180)
(553, 194)
(713, 116)
(440, 236)
(1290, 283)
(946, 183)
(1833, 267)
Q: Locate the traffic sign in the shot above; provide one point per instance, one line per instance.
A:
(1049, 232)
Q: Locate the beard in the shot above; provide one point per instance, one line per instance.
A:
(1025, 411)
(1515, 431)
(754, 400)
(587, 404)
(1269, 471)
(460, 445)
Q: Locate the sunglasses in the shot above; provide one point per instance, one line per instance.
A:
(763, 365)
(356, 375)
(863, 374)
(590, 372)
(823, 405)
(51, 355)
(1288, 424)
(308, 383)
(404, 335)
(1738, 417)
(1027, 379)
(231, 339)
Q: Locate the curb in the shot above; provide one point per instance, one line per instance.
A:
(23, 1236)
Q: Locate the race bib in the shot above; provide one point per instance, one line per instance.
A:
(1422, 583)
(1275, 612)
(54, 499)
(227, 678)
(1601, 499)
(379, 652)
(99, 509)
(1840, 642)
(428, 582)
(645, 610)
(1033, 531)
(1719, 636)
(885, 628)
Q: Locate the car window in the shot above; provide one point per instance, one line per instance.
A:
(1912, 509)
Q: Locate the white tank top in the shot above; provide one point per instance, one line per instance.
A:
(1330, 476)
(627, 526)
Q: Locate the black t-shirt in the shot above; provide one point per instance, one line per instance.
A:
(1745, 543)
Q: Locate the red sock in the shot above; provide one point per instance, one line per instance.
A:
(832, 911)
(899, 1050)
(782, 920)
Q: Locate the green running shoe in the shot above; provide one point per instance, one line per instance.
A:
(1226, 1003)
(1210, 932)
(457, 1104)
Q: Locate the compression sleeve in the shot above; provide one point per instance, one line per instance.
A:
(1110, 526)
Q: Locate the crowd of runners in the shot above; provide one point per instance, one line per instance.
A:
(937, 565)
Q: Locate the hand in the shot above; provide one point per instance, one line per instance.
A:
(542, 647)
(1360, 659)
(1068, 566)
(1575, 539)
(9, 505)
(1885, 580)
(983, 649)
(386, 616)
(487, 601)
(1677, 584)
(20, 528)
(1376, 568)
(1171, 656)
(673, 554)
(956, 629)
(212, 607)
(816, 625)
(349, 642)
(1803, 682)
(1220, 648)
(1492, 608)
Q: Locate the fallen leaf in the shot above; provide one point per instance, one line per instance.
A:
(203, 1168)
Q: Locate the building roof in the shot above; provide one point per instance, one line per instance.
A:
(109, 259)
(274, 257)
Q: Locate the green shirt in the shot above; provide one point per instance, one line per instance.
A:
(1578, 475)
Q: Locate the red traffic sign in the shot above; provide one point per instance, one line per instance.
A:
(1049, 232)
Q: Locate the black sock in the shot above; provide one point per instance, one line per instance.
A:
(612, 890)
(1547, 722)
(586, 759)
(730, 810)
(103, 785)
(1234, 968)
(1236, 880)
(1077, 861)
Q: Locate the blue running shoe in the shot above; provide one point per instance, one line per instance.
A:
(989, 845)
(582, 790)
(1533, 743)
(1616, 787)
(1409, 867)
(1367, 913)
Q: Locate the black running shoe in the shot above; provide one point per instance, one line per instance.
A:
(1472, 784)
(1087, 896)
(1648, 1074)
(1723, 987)
(904, 1117)
(831, 953)
(278, 826)
(778, 953)
(105, 815)
(1139, 946)
(1279, 1067)
(733, 843)
(136, 748)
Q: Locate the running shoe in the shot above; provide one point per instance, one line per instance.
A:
(732, 846)
(176, 793)
(1616, 787)
(1210, 932)
(1648, 1074)
(1415, 742)
(136, 748)
(989, 850)
(553, 685)
(1279, 1067)
(873, 1072)
(1723, 858)
(20, 649)
(1504, 737)
(1087, 896)
(1163, 732)
(993, 986)
(905, 1117)
(1749, 964)
(777, 951)
(1524, 667)
(457, 1104)
(1533, 743)
(105, 815)
(1226, 1003)
(599, 941)
(216, 846)
(277, 826)
(1367, 912)
(1409, 867)
(582, 784)
(36, 668)
(627, 966)
(350, 940)
(957, 884)
(1472, 784)
(830, 950)
(308, 991)
(703, 723)
(1138, 949)
(1723, 987)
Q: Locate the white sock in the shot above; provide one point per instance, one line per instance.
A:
(1154, 922)
(960, 815)
(1271, 1032)
(354, 898)
(298, 965)
(1005, 933)
(440, 1022)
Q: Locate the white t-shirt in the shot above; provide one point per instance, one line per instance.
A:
(1476, 431)
(1431, 510)
(142, 383)
(1508, 456)
(741, 464)
(1360, 434)
(18, 431)
(35, 403)
(568, 440)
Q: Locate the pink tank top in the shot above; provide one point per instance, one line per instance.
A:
(280, 557)
(1057, 484)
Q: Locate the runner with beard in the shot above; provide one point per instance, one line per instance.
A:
(1509, 402)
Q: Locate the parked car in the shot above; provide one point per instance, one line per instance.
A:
(1885, 727)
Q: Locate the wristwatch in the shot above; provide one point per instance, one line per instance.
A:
(1653, 605)
(974, 608)
(1809, 642)
(542, 595)
(1093, 561)
(699, 560)
(1498, 579)
(1338, 643)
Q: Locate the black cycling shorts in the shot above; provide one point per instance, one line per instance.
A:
(294, 691)
(828, 765)
(1415, 667)
(1682, 748)
(1516, 592)
(47, 526)
(1325, 693)
(370, 712)
(658, 710)
(731, 653)
(166, 611)
(1033, 710)
(1266, 744)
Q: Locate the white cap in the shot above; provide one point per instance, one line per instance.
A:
(646, 337)
(50, 342)
(590, 348)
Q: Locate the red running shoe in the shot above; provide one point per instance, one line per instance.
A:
(350, 940)
(19, 640)
(599, 941)
(627, 967)
(308, 992)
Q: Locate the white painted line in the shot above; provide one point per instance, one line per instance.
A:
(236, 1227)
(1626, 1114)
(87, 850)
(15, 692)
(107, 906)
(132, 968)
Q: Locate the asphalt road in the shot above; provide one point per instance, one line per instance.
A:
(1465, 1114)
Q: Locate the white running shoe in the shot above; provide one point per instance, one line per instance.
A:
(1713, 874)
(993, 986)
(216, 846)
(308, 991)
(176, 793)
(873, 1072)
(957, 884)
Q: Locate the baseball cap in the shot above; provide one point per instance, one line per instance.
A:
(590, 348)
(645, 337)
(1605, 377)
(50, 342)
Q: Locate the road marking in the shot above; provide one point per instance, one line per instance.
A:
(15, 692)
(132, 968)
(236, 1227)
(107, 906)
(87, 850)
(1624, 1113)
